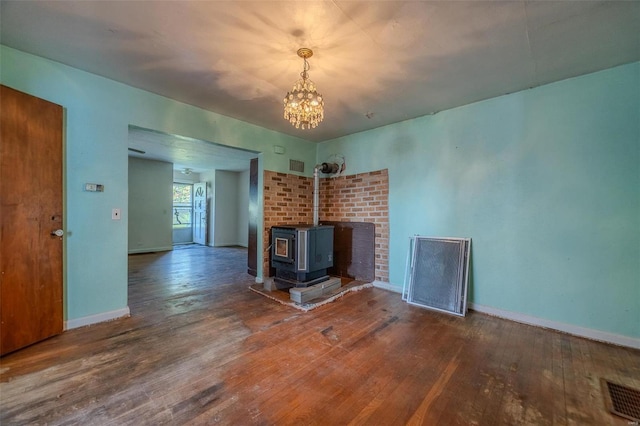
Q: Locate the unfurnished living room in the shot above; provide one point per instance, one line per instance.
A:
(320, 212)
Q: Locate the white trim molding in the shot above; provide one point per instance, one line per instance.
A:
(94, 319)
(150, 250)
(387, 286)
(589, 333)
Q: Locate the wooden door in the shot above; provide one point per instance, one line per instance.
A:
(30, 210)
(200, 213)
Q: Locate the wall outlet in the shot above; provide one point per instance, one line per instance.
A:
(115, 214)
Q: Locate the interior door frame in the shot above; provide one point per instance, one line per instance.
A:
(197, 221)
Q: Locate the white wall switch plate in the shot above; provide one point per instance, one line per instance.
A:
(115, 214)
(93, 187)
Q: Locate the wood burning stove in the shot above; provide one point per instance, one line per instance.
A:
(301, 254)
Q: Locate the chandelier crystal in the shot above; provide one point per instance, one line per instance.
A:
(303, 105)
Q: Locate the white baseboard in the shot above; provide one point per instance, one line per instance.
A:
(601, 336)
(150, 250)
(94, 319)
(589, 333)
(387, 286)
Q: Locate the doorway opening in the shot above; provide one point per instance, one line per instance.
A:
(182, 213)
(202, 191)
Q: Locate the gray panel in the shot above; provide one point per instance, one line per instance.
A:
(438, 274)
(302, 250)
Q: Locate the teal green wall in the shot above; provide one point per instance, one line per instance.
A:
(546, 182)
(98, 114)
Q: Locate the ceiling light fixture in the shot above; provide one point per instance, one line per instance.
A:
(303, 105)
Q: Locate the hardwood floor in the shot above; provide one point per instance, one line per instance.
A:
(200, 348)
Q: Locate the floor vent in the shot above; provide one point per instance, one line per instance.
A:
(621, 400)
(296, 166)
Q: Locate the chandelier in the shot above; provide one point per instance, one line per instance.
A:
(303, 105)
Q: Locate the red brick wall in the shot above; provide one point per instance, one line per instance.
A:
(288, 199)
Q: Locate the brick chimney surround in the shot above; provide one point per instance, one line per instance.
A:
(363, 197)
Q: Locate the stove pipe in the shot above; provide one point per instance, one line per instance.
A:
(327, 168)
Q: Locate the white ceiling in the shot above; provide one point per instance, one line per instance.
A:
(199, 156)
(375, 62)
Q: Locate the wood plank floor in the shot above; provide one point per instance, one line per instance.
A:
(200, 348)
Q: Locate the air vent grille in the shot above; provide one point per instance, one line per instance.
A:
(296, 166)
(438, 274)
(621, 400)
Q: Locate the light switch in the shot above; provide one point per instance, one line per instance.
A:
(93, 187)
(115, 214)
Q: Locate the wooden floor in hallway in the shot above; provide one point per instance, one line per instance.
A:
(200, 348)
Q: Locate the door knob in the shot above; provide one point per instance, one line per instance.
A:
(57, 233)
